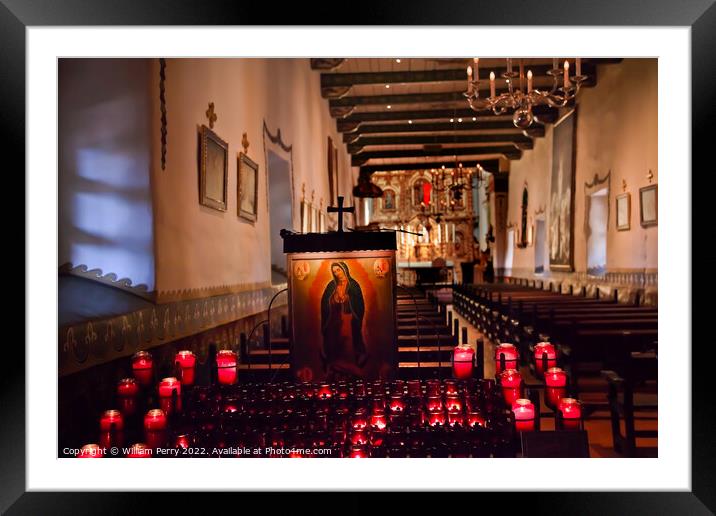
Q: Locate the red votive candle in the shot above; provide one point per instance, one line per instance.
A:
(360, 421)
(226, 367)
(555, 377)
(511, 382)
(433, 388)
(462, 360)
(187, 362)
(142, 367)
(571, 411)
(377, 420)
(556, 381)
(523, 409)
(139, 451)
(450, 388)
(455, 417)
(453, 403)
(436, 418)
(169, 385)
(358, 452)
(396, 403)
(127, 387)
(324, 391)
(414, 388)
(155, 419)
(378, 403)
(540, 350)
(182, 441)
(434, 404)
(109, 418)
(475, 418)
(359, 437)
(91, 451)
(510, 353)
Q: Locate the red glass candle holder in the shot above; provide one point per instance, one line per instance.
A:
(127, 388)
(462, 361)
(451, 388)
(436, 418)
(378, 421)
(358, 452)
(226, 367)
(475, 418)
(91, 451)
(142, 365)
(453, 403)
(359, 437)
(111, 420)
(359, 420)
(555, 377)
(396, 403)
(540, 350)
(324, 391)
(414, 388)
(570, 410)
(167, 386)
(181, 441)
(139, 451)
(523, 409)
(433, 388)
(510, 353)
(187, 362)
(378, 404)
(434, 404)
(510, 379)
(155, 419)
(455, 417)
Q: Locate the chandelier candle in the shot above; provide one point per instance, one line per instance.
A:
(529, 80)
(469, 79)
(566, 75)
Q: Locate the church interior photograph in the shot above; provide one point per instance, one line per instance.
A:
(357, 257)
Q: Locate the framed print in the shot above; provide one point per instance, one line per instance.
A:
(623, 211)
(214, 170)
(561, 204)
(229, 300)
(648, 206)
(248, 188)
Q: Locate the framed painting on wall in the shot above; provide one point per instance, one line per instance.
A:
(623, 211)
(648, 206)
(561, 203)
(248, 188)
(213, 170)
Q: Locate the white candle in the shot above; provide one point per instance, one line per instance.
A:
(579, 66)
(509, 65)
(469, 79)
(566, 74)
(477, 68)
(492, 84)
(529, 80)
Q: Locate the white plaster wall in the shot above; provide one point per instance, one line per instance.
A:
(198, 247)
(105, 148)
(617, 132)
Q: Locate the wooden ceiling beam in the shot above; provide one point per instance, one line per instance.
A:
(536, 130)
(509, 151)
(516, 139)
(491, 165)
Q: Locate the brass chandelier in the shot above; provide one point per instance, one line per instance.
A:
(519, 98)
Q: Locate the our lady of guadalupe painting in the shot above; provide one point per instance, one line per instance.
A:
(561, 203)
(343, 321)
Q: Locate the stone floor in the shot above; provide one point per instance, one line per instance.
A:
(597, 424)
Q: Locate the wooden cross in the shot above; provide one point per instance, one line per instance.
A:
(340, 210)
(211, 115)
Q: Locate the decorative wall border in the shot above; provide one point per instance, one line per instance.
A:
(172, 296)
(87, 344)
(110, 279)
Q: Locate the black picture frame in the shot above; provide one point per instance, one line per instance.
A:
(209, 170)
(648, 194)
(247, 168)
(700, 16)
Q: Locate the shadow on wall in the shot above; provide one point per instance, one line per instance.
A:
(105, 203)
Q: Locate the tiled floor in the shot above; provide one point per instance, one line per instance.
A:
(597, 424)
